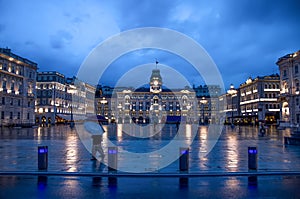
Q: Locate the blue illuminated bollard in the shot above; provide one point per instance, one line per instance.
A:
(184, 159)
(43, 157)
(112, 158)
(252, 158)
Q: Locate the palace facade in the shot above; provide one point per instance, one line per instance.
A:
(157, 104)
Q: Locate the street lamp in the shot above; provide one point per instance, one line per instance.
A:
(103, 102)
(232, 92)
(203, 101)
(71, 90)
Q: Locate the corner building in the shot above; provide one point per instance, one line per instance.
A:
(17, 89)
(289, 67)
(259, 100)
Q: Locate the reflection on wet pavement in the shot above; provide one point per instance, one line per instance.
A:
(18, 148)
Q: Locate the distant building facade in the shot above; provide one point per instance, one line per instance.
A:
(289, 67)
(61, 99)
(259, 100)
(229, 105)
(83, 97)
(17, 89)
(53, 100)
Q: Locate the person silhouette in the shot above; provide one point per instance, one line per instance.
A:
(97, 146)
(262, 129)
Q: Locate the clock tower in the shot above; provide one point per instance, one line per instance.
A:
(155, 81)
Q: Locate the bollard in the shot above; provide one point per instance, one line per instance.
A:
(112, 158)
(184, 159)
(252, 158)
(43, 157)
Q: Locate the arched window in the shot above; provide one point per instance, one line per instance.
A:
(155, 100)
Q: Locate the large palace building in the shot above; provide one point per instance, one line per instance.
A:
(157, 104)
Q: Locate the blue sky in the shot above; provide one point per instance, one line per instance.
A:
(244, 38)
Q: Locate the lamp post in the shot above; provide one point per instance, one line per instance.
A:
(103, 102)
(72, 119)
(232, 92)
(71, 90)
(203, 101)
(119, 113)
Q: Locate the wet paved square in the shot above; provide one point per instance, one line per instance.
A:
(18, 149)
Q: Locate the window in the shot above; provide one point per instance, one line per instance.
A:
(20, 89)
(12, 86)
(11, 115)
(297, 101)
(19, 115)
(267, 106)
(2, 115)
(284, 73)
(28, 116)
(11, 101)
(3, 100)
(19, 102)
(4, 85)
(296, 69)
(28, 104)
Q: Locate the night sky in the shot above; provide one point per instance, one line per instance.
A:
(244, 38)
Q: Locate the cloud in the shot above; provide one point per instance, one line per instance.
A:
(60, 39)
(243, 37)
(72, 27)
(132, 13)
